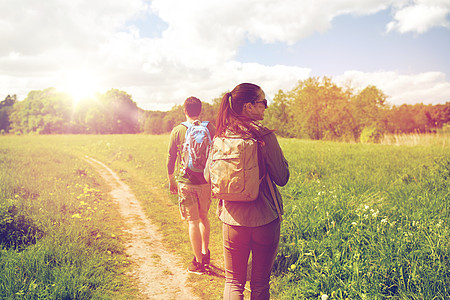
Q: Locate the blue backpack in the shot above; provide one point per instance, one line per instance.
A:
(196, 146)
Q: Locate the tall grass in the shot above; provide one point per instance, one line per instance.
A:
(415, 139)
(361, 221)
(59, 229)
(140, 161)
(365, 222)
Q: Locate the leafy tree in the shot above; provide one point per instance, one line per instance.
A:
(209, 112)
(6, 107)
(369, 111)
(153, 122)
(111, 113)
(318, 109)
(418, 118)
(278, 116)
(173, 117)
(120, 112)
(42, 112)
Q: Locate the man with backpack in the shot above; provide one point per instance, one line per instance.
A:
(188, 150)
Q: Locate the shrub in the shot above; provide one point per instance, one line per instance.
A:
(371, 135)
(16, 230)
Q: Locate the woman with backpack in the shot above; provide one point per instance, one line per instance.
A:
(249, 225)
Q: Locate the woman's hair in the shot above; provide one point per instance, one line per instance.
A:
(230, 114)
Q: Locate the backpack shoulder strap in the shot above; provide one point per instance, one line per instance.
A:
(187, 124)
(205, 124)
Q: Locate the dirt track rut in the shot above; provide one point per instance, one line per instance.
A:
(157, 272)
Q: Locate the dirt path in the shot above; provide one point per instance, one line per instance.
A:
(158, 273)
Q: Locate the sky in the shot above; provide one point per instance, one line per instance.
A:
(162, 51)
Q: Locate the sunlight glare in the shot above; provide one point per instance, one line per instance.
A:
(80, 84)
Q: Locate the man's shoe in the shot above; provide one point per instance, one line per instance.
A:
(196, 268)
(206, 258)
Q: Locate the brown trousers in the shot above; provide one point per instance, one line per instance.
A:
(238, 242)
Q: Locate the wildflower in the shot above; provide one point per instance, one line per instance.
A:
(113, 235)
(366, 207)
(324, 297)
(16, 196)
(354, 223)
(293, 266)
(384, 221)
(76, 216)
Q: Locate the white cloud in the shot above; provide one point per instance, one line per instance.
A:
(227, 23)
(211, 83)
(427, 88)
(420, 15)
(45, 43)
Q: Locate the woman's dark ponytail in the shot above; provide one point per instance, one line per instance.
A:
(229, 115)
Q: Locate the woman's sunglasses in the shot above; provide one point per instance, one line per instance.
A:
(263, 101)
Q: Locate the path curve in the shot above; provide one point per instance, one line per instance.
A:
(158, 273)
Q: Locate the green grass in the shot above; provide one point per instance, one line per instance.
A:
(361, 221)
(365, 222)
(57, 224)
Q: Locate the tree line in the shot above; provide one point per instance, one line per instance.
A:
(53, 112)
(319, 109)
(316, 108)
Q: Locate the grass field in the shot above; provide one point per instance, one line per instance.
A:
(58, 226)
(361, 221)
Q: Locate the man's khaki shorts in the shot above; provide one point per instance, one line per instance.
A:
(194, 200)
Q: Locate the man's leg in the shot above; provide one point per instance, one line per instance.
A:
(205, 230)
(188, 203)
(204, 202)
(196, 238)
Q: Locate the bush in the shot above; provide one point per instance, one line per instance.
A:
(16, 230)
(371, 135)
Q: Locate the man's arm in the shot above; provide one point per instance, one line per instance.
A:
(171, 160)
(173, 187)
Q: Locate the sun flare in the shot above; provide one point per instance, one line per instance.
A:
(80, 84)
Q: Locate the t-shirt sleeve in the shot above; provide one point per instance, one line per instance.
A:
(172, 151)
